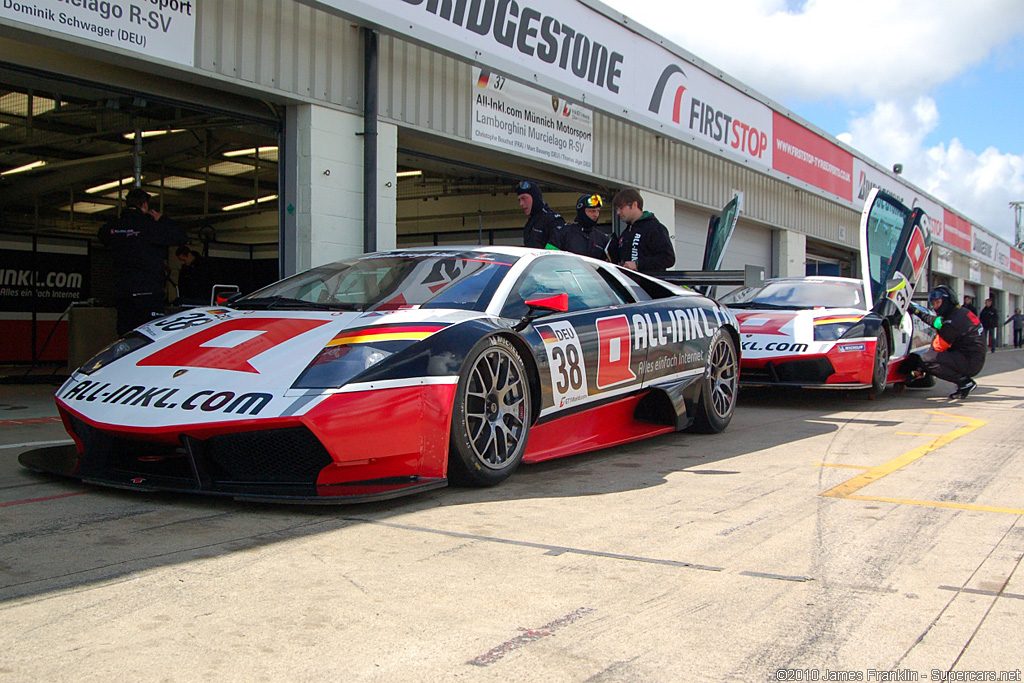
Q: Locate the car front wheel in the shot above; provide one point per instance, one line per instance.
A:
(719, 386)
(880, 367)
(491, 417)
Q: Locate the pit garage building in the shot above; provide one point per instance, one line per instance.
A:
(289, 133)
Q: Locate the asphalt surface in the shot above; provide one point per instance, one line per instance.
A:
(823, 536)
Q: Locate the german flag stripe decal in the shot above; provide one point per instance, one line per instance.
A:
(547, 335)
(385, 333)
(838, 319)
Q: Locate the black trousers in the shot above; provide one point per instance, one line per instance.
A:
(952, 366)
(991, 334)
(1018, 337)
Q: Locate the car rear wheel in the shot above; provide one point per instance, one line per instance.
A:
(719, 386)
(491, 418)
(880, 368)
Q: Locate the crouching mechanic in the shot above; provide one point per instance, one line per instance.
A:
(958, 350)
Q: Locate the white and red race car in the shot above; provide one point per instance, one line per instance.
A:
(396, 372)
(833, 332)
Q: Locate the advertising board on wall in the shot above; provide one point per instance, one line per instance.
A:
(42, 281)
(528, 122)
(805, 155)
(39, 280)
(956, 232)
(165, 29)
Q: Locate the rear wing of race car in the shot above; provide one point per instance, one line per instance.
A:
(705, 281)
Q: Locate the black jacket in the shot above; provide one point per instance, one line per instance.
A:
(989, 317)
(541, 226)
(587, 241)
(196, 281)
(961, 329)
(647, 243)
(139, 243)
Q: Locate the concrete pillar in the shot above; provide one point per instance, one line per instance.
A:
(790, 253)
(1001, 300)
(323, 208)
(957, 284)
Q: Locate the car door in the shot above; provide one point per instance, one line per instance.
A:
(895, 242)
(585, 354)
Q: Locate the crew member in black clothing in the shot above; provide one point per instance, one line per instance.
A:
(958, 350)
(195, 279)
(543, 223)
(989, 318)
(583, 237)
(139, 240)
(645, 244)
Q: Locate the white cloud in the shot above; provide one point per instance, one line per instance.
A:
(979, 186)
(890, 52)
(871, 49)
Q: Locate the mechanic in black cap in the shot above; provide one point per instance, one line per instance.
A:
(583, 237)
(543, 223)
(139, 240)
(958, 350)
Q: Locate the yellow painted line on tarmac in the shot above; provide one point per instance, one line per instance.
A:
(849, 488)
(940, 504)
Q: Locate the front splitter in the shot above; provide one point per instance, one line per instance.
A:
(64, 461)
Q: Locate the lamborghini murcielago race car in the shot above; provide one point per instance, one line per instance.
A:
(397, 372)
(841, 332)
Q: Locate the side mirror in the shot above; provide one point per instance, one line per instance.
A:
(558, 303)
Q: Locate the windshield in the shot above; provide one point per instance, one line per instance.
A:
(797, 294)
(389, 281)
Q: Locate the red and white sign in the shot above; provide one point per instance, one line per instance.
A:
(956, 232)
(613, 366)
(1016, 261)
(811, 158)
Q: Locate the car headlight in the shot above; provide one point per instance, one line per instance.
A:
(119, 349)
(336, 365)
(831, 331)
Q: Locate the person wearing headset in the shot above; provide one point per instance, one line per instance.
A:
(584, 237)
(958, 350)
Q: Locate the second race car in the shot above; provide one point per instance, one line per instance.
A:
(396, 372)
(849, 333)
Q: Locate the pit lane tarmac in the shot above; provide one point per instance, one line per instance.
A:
(823, 536)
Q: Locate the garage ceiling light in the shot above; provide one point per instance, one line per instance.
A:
(251, 202)
(86, 207)
(175, 182)
(111, 185)
(26, 167)
(408, 174)
(230, 168)
(268, 153)
(152, 133)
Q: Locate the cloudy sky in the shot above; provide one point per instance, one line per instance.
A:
(937, 85)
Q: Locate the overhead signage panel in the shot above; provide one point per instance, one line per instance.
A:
(165, 29)
(528, 122)
(568, 48)
(957, 232)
